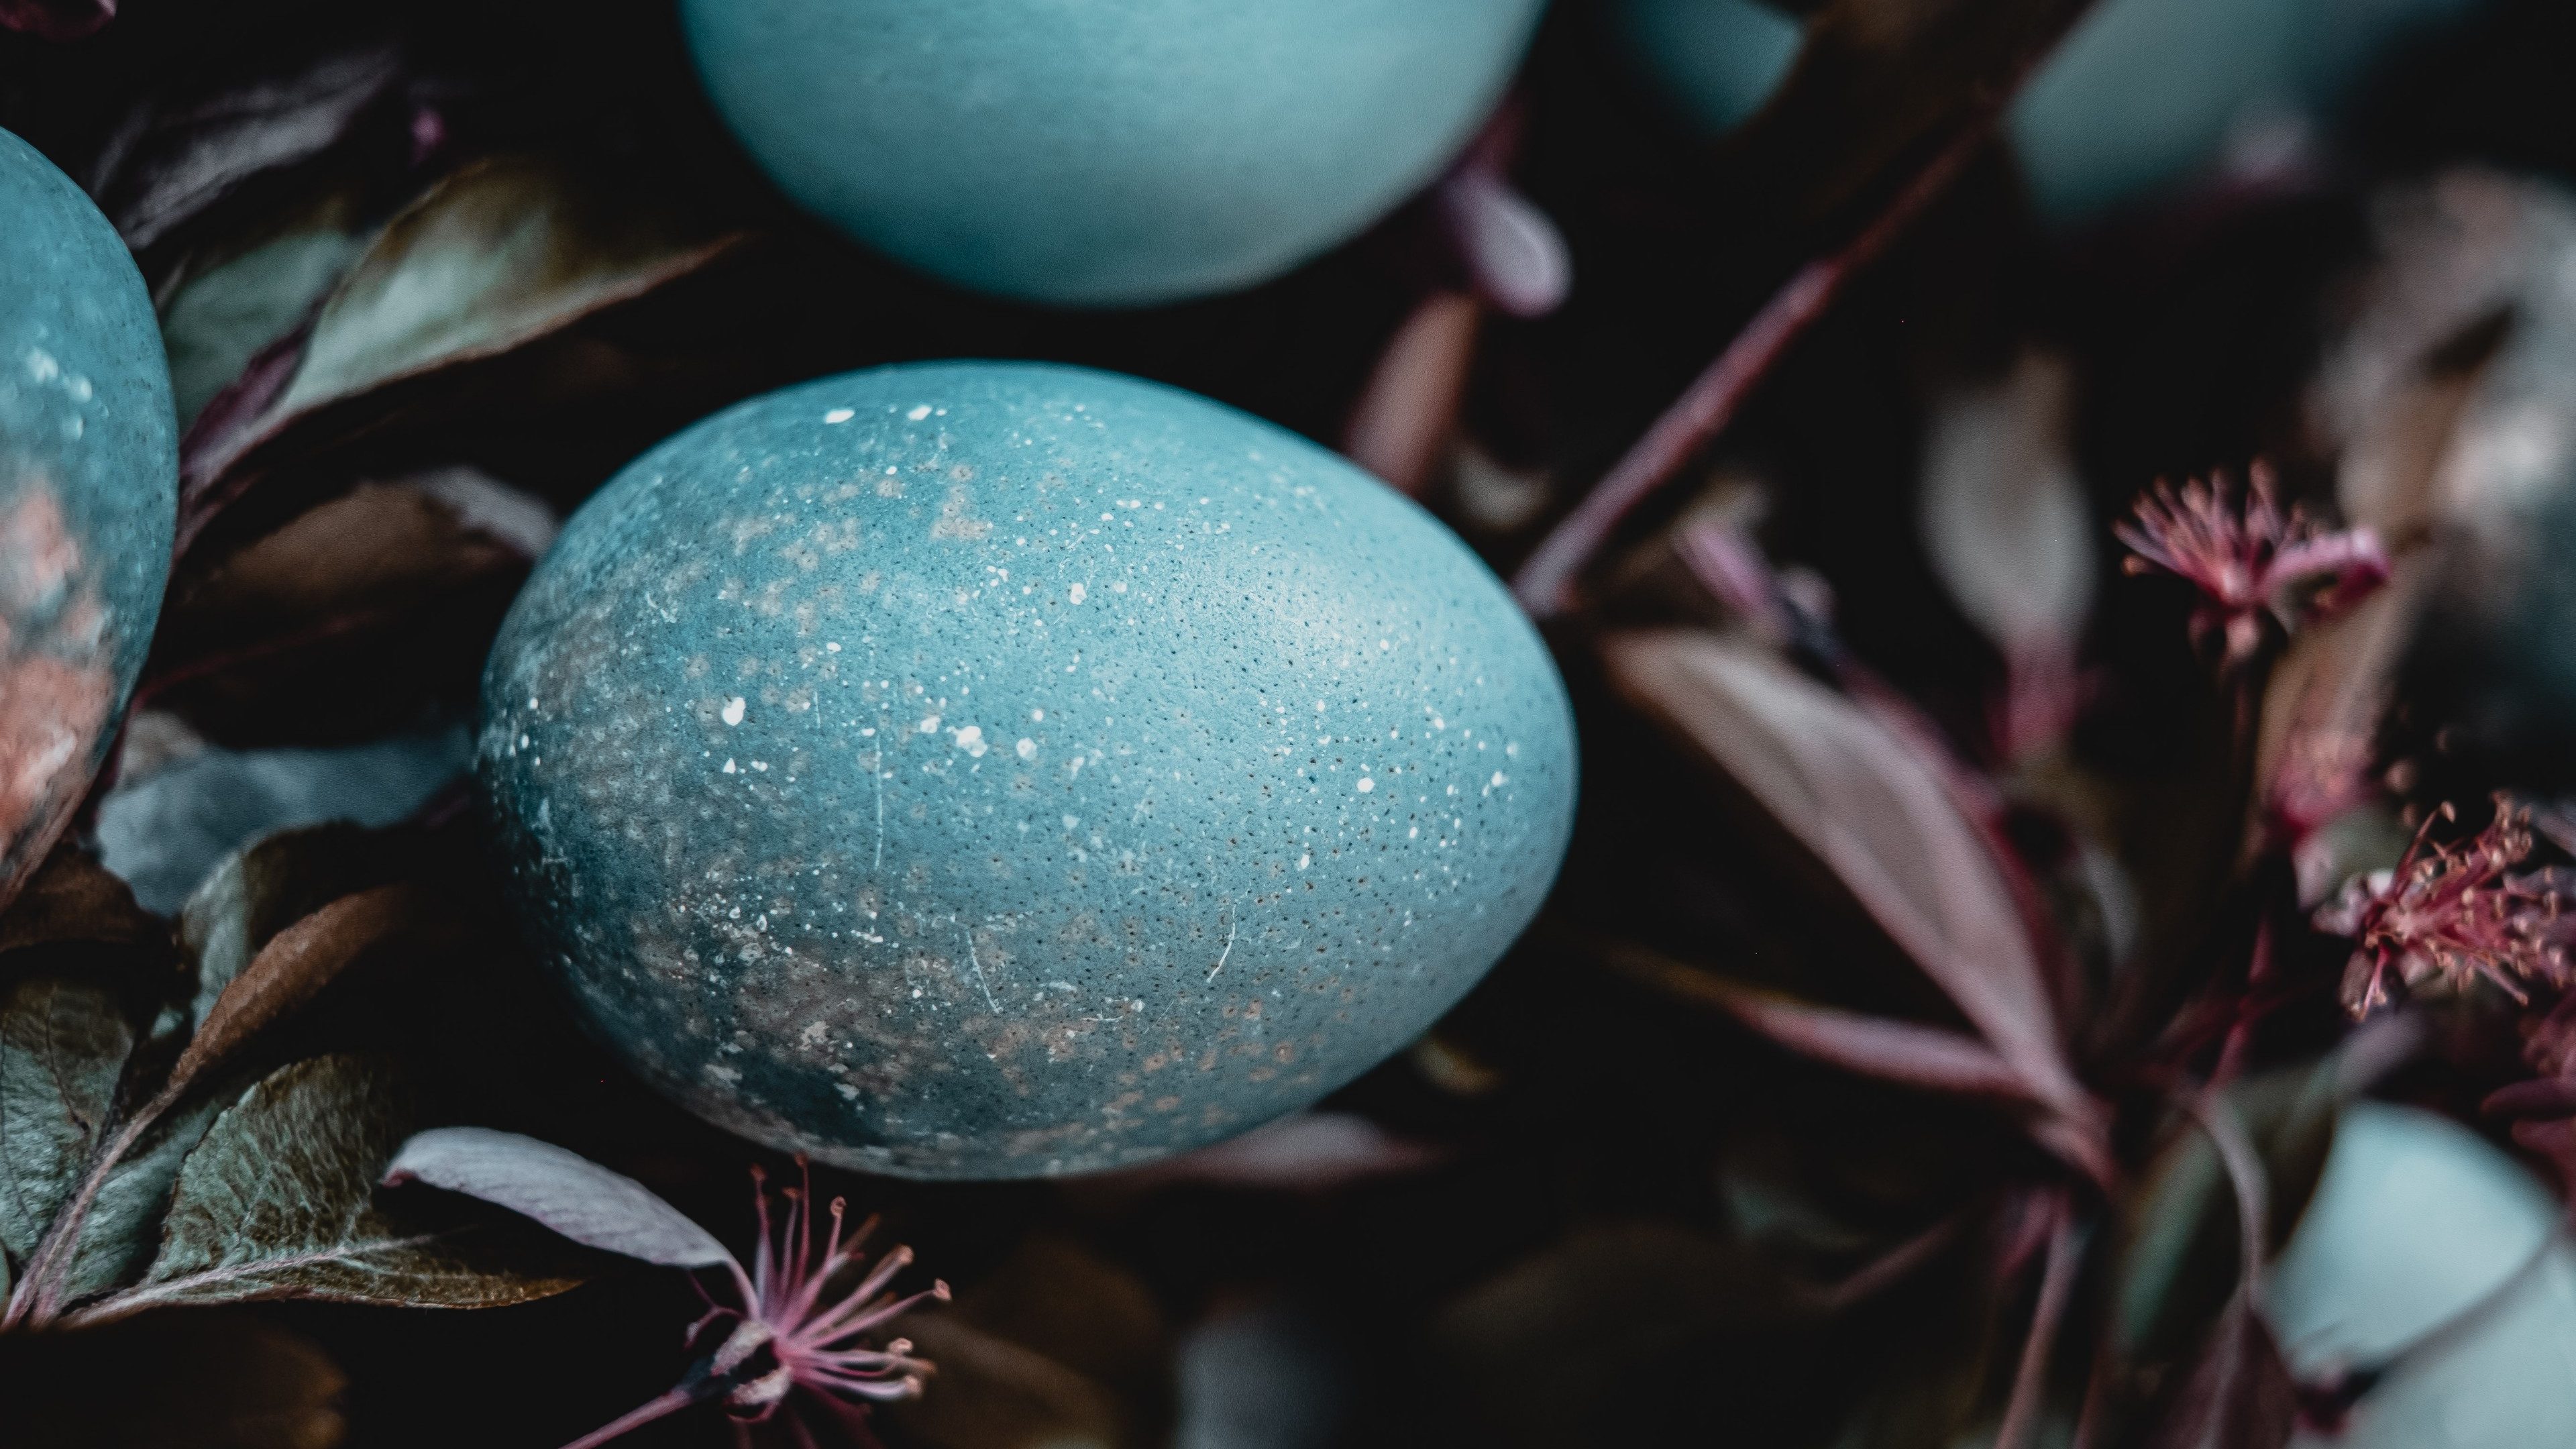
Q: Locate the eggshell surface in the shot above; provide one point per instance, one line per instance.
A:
(1104, 152)
(89, 478)
(992, 770)
(2139, 95)
(2431, 1256)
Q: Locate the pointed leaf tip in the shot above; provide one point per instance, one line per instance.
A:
(561, 1189)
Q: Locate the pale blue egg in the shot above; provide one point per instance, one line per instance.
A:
(2421, 1233)
(1104, 152)
(992, 770)
(2140, 95)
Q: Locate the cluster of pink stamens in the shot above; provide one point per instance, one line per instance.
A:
(815, 1341)
(2450, 915)
(2249, 557)
(792, 1330)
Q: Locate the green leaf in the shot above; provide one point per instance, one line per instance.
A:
(277, 1202)
(63, 1044)
(2177, 1266)
(221, 318)
(123, 1225)
(500, 254)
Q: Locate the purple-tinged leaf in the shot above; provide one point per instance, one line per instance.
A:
(2003, 514)
(561, 1189)
(2005, 524)
(498, 255)
(1898, 1051)
(1302, 1152)
(1861, 799)
(216, 317)
(1407, 413)
(2056, 1288)
(2238, 1395)
(2541, 1097)
(57, 19)
(166, 166)
(1513, 251)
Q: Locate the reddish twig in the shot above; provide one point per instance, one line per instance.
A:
(1889, 1268)
(1545, 583)
(2056, 1286)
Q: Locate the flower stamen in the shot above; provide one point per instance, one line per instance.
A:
(793, 1331)
(2249, 558)
(2448, 916)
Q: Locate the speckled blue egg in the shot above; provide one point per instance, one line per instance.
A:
(89, 477)
(1093, 153)
(978, 770)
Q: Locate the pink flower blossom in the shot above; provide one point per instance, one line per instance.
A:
(2250, 558)
(2449, 915)
(794, 1331)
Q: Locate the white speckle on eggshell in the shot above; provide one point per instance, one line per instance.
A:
(1203, 759)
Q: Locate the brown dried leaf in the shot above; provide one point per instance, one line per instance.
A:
(74, 900)
(293, 968)
(269, 885)
(169, 162)
(352, 614)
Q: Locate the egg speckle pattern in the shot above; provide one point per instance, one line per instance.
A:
(89, 477)
(1104, 154)
(990, 770)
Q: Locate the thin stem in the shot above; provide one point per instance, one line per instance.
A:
(176, 1290)
(39, 1291)
(2056, 1287)
(648, 1411)
(1892, 1266)
(2217, 1117)
(1545, 583)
